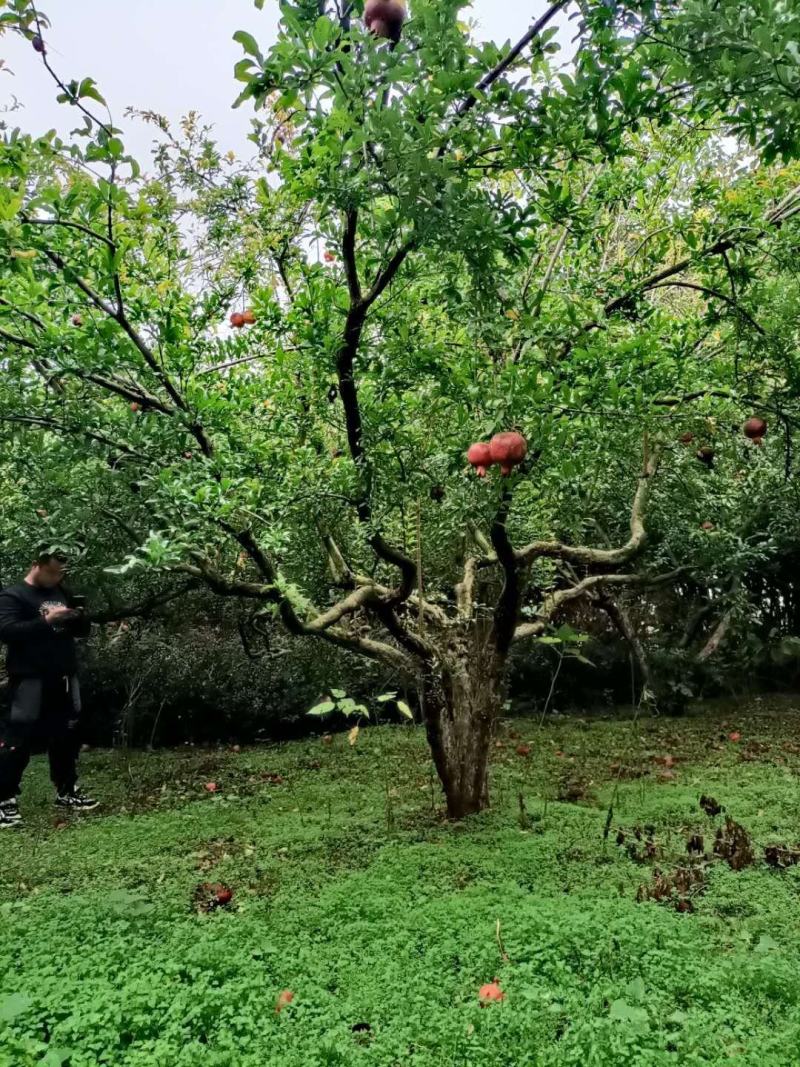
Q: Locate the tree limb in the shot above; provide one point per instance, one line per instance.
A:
(557, 600)
(604, 556)
(145, 607)
(717, 295)
(507, 608)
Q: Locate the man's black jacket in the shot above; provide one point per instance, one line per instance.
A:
(37, 649)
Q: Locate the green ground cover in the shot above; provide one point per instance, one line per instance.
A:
(351, 891)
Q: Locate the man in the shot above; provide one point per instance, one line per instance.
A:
(39, 623)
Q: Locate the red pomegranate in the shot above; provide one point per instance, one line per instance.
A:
(508, 449)
(224, 894)
(385, 18)
(248, 317)
(706, 455)
(77, 320)
(523, 750)
(707, 526)
(686, 438)
(285, 998)
(491, 993)
(237, 320)
(329, 257)
(480, 457)
(755, 429)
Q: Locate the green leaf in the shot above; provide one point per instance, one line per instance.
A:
(325, 708)
(766, 944)
(322, 33)
(338, 693)
(622, 1011)
(14, 1005)
(384, 698)
(124, 902)
(249, 44)
(57, 1057)
(636, 989)
(405, 710)
(87, 88)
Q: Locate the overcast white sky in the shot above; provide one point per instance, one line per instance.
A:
(172, 56)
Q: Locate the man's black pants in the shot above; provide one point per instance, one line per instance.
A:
(42, 710)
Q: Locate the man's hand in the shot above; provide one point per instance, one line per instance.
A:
(55, 615)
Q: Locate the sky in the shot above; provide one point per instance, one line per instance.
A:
(171, 56)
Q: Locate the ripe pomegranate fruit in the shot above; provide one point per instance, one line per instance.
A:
(248, 317)
(385, 18)
(735, 737)
(285, 998)
(707, 526)
(77, 320)
(755, 429)
(329, 257)
(211, 787)
(135, 407)
(224, 895)
(686, 438)
(524, 751)
(508, 449)
(491, 993)
(237, 320)
(706, 455)
(38, 45)
(480, 457)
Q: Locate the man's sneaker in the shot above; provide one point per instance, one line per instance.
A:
(75, 800)
(9, 814)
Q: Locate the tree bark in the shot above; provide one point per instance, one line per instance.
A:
(462, 702)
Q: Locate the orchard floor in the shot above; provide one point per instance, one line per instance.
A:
(351, 891)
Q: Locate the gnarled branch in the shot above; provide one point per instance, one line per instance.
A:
(604, 556)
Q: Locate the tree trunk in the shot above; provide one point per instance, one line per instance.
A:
(462, 704)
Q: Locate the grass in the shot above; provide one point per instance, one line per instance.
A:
(351, 891)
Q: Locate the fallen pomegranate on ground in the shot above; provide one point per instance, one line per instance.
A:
(285, 998)
(211, 787)
(208, 896)
(491, 993)
(385, 18)
(686, 438)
